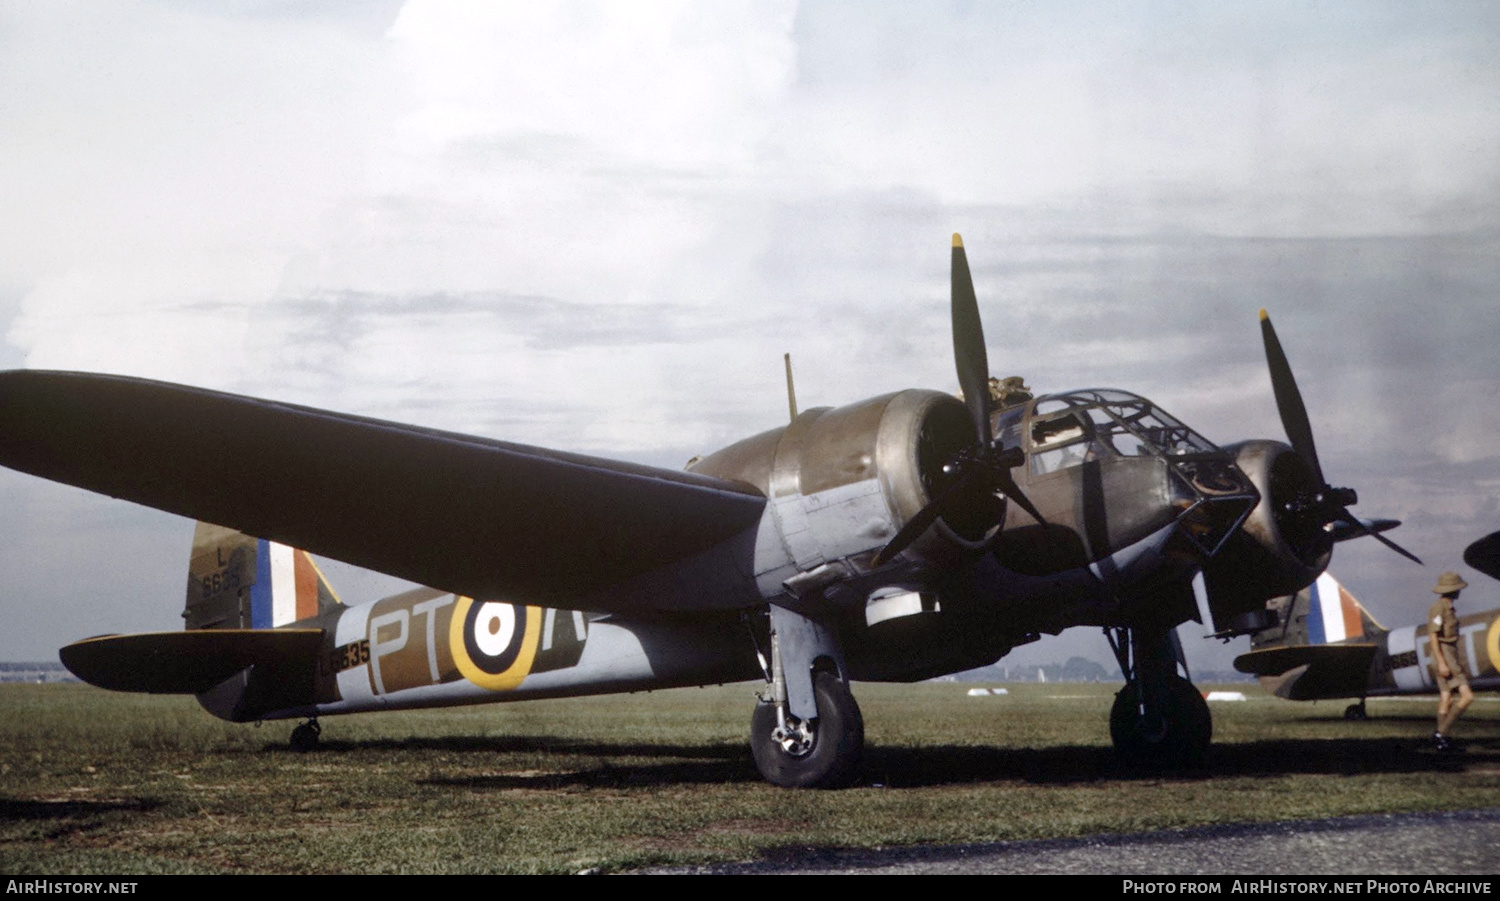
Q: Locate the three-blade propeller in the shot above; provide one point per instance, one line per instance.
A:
(1328, 505)
(983, 467)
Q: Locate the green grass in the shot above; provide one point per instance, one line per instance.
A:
(98, 782)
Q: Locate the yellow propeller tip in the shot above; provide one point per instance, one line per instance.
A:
(1264, 315)
(957, 240)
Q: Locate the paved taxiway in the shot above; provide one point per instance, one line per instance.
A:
(1454, 843)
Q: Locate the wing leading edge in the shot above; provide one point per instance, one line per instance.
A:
(474, 516)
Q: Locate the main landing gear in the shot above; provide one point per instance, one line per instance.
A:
(1159, 721)
(822, 752)
(1356, 712)
(808, 733)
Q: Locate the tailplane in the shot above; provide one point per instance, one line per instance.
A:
(255, 614)
(187, 662)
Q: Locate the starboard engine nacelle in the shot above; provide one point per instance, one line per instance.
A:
(1279, 549)
(842, 481)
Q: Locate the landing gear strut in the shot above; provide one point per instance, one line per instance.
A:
(808, 733)
(1159, 720)
(305, 736)
(822, 752)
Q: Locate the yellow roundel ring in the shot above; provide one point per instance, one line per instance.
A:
(494, 643)
(1492, 643)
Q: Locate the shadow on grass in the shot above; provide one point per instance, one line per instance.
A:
(595, 764)
(12, 810)
(578, 764)
(525, 744)
(608, 775)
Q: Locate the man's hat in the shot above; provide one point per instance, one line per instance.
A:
(1448, 583)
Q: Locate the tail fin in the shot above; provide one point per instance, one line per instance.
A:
(1324, 612)
(236, 581)
(240, 589)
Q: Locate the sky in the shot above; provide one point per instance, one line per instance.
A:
(597, 227)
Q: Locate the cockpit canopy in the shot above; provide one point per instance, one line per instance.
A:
(1061, 430)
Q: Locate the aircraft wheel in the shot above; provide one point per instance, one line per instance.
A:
(305, 737)
(1355, 712)
(820, 753)
(1175, 736)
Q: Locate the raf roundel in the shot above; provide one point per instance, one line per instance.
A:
(494, 643)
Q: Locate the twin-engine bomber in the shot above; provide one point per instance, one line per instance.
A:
(894, 539)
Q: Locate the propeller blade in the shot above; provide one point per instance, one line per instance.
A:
(1299, 432)
(1359, 528)
(983, 468)
(1289, 400)
(957, 492)
(1343, 532)
(1397, 548)
(968, 347)
(926, 517)
(1013, 491)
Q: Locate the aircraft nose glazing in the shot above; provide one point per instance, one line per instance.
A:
(1215, 499)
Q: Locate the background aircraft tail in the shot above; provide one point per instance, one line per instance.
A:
(1322, 647)
(1324, 612)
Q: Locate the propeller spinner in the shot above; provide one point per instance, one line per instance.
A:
(984, 467)
(1324, 505)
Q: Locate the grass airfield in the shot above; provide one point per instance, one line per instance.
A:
(95, 782)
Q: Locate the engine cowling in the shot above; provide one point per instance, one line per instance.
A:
(1277, 551)
(842, 481)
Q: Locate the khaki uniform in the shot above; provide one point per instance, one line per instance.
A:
(1442, 621)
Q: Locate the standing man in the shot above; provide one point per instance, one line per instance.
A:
(1448, 672)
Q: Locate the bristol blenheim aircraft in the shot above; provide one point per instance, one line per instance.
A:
(1326, 645)
(894, 539)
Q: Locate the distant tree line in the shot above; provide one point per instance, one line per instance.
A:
(34, 666)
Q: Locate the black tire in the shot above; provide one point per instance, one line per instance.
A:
(305, 737)
(838, 741)
(1174, 737)
(1355, 712)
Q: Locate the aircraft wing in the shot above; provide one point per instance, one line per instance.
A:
(474, 516)
(1484, 555)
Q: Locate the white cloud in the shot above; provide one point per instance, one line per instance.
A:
(353, 216)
